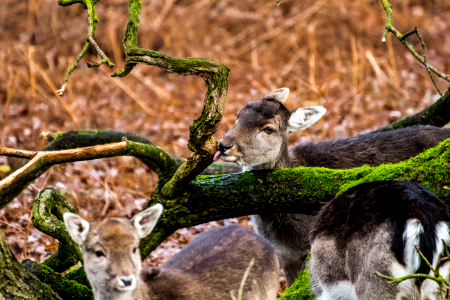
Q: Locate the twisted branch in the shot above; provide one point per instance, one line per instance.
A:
(46, 203)
(215, 74)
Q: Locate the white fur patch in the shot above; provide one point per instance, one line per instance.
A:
(344, 290)
(279, 95)
(411, 236)
(304, 117)
(407, 288)
(442, 234)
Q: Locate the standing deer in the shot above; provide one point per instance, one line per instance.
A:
(374, 227)
(212, 266)
(258, 140)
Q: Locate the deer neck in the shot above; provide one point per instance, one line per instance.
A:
(281, 162)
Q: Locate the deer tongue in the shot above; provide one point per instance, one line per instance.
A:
(216, 156)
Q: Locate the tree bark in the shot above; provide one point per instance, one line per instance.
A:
(16, 283)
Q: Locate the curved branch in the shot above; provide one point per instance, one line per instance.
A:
(86, 138)
(12, 185)
(46, 203)
(215, 74)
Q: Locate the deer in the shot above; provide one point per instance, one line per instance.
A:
(375, 227)
(258, 140)
(212, 266)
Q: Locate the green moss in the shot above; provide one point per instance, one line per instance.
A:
(300, 289)
(65, 288)
(77, 274)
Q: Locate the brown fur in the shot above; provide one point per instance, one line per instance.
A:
(212, 267)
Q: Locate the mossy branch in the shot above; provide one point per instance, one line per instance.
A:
(86, 138)
(40, 162)
(46, 203)
(67, 289)
(299, 190)
(16, 282)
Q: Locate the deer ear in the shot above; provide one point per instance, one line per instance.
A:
(304, 117)
(279, 95)
(78, 227)
(146, 220)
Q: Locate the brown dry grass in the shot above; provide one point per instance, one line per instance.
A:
(327, 52)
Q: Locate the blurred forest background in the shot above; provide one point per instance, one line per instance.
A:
(328, 53)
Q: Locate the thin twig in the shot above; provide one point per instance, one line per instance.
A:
(424, 258)
(389, 28)
(410, 33)
(7, 224)
(92, 24)
(278, 2)
(426, 63)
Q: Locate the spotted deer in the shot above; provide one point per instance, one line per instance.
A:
(258, 140)
(374, 227)
(212, 266)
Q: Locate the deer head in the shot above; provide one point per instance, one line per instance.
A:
(112, 260)
(258, 139)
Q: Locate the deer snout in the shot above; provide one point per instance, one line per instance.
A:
(126, 283)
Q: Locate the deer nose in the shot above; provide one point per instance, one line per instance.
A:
(223, 147)
(127, 282)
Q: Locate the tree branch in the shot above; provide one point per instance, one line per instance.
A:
(86, 138)
(92, 25)
(12, 185)
(389, 28)
(16, 282)
(46, 203)
(300, 190)
(66, 288)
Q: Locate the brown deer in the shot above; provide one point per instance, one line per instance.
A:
(374, 227)
(258, 140)
(212, 266)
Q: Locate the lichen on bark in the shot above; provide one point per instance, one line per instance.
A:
(46, 203)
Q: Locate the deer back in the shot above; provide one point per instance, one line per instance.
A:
(213, 265)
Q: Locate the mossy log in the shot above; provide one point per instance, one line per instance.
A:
(298, 190)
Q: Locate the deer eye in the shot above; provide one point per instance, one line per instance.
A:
(269, 130)
(99, 253)
(134, 250)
